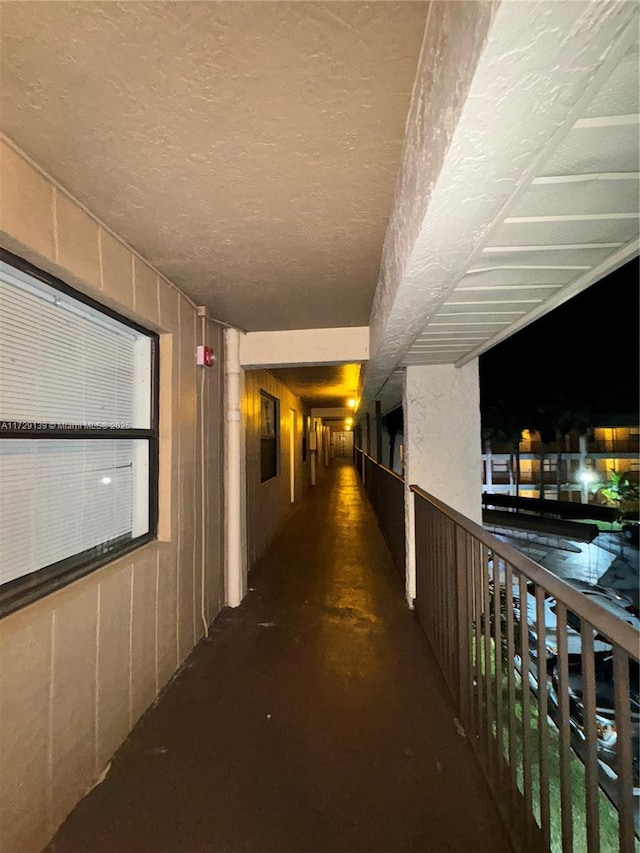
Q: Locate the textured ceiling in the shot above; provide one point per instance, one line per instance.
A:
(322, 387)
(248, 150)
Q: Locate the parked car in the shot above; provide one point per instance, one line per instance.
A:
(577, 583)
(607, 737)
(610, 599)
(617, 604)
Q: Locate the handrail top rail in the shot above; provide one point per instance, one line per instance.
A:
(620, 633)
(394, 474)
(380, 465)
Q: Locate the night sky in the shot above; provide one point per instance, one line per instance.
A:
(584, 355)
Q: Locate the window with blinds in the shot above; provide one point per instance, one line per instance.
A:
(78, 434)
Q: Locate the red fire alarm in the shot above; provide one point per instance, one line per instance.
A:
(205, 356)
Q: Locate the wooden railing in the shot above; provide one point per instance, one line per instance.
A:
(385, 490)
(544, 680)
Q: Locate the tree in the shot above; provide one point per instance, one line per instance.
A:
(554, 420)
(620, 492)
(502, 425)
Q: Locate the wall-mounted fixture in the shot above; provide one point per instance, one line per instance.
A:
(205, 356)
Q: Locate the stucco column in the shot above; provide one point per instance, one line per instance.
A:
(442, 443)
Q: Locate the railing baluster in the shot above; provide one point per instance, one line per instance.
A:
(497, 651)
(566, 794)
(444, 603)
(462, 603)
(486, 607)
(592, 791)
(471, 603)
(437, 623)
(440, 615)
(453, 610)
(526, 698)
(511, 686)
(421, 522)
(448, 603)
(433, 575)
(543, 732)
(478, 616)
(624, 750)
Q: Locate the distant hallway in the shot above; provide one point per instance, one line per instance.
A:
(313, 720)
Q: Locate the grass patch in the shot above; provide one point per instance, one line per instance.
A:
(608, 813)
(603, 526)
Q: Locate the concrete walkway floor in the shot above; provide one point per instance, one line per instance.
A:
(313, 720)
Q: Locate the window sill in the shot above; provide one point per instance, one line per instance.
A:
(21, 592)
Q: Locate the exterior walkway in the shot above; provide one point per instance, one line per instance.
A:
(314, 719)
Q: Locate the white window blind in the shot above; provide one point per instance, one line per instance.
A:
(66, 365)
(62, 498)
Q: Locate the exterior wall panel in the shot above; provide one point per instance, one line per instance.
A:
(78, 667)
(269, 503)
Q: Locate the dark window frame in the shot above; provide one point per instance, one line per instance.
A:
(25, 590)
(270, 443)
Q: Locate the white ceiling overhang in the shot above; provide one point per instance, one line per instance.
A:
(535, 199)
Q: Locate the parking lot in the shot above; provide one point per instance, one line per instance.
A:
(609, 561)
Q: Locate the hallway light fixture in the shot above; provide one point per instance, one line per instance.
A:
(349, 422)
(351, 403)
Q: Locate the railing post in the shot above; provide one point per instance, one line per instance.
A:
(410, 539)
(462, 593)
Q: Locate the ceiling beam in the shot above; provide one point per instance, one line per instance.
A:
(569, 217)
(568, 247)
(302, 347)
(521, 267)
(586, 176)
(336, 413)
(627, 253)
(606, 121)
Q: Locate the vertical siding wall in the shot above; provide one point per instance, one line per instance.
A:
(269, 504)
(79, 667)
